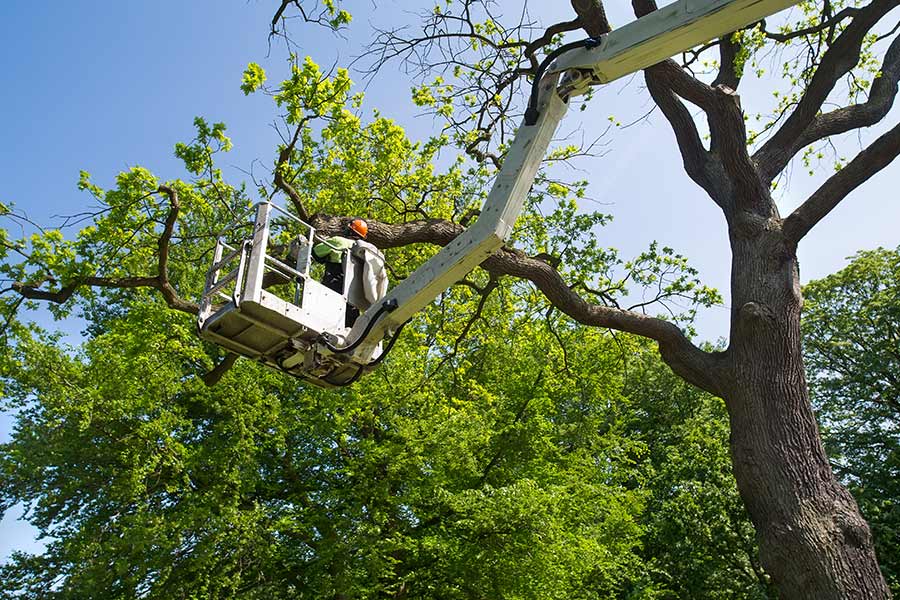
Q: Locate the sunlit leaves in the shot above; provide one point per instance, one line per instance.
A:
(338, 17)
(311, 94)
(254, 77)
(489, 454)
(197, 156)
(749, 41)
(491, 466)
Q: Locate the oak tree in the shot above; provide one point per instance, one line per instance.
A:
(813, 541)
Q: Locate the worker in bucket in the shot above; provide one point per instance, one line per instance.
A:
(372, 273)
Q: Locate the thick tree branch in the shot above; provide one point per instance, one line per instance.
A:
(728, 139)
(870, 161)
(278, 15)
(729, 144)
(643, 7)
(283, 184)
(592, 17)
(727, 75)
(31, 292)
(700, 368)
(838, 60)
(693, 153)
(213, 377)
(162, 278)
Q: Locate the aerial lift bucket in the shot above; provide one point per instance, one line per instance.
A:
(257, 305)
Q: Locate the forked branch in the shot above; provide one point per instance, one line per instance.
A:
(693, 153)
(281, 167)
(865, 114)
(867, 163)
(839, 59)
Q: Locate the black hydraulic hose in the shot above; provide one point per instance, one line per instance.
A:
(387, 349)
(350, 381)
(387, 306)
(532, 113)
(368, 365)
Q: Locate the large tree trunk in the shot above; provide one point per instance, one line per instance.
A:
(813, 540)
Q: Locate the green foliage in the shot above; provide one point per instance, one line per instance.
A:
(851, 329)
(472, 473)
(698, 537)
(253, 79)
(197, 156)
(495, 454)
(337, 17)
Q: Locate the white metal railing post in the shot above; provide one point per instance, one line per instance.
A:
(256, 262)
(309, 250)
(212, 277)
(237, 294)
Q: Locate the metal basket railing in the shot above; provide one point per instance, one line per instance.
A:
(250, 261)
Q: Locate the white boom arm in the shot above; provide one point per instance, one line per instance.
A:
(655, 37)
(671, 30)
(483, 238)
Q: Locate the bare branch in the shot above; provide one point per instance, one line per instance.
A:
(32, 291)
(876, 107)
(871, 160)
(839, 59)
(488, 66)
(826, 23)
(320, 18)
(552, 31)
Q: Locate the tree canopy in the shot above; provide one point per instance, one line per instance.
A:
(519, 443)
(851, 332)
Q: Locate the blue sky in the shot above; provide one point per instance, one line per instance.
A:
(103, 86)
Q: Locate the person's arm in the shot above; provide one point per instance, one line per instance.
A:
(331, 250)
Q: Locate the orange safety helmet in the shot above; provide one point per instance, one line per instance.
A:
(360, 227)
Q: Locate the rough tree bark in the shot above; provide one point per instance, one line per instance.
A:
(813, 540)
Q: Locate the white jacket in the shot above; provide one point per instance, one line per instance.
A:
(374, 275)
